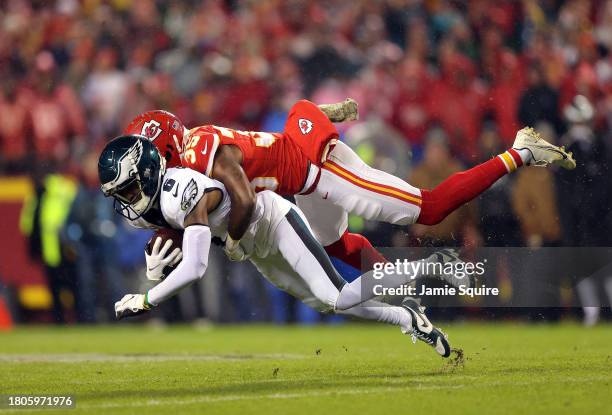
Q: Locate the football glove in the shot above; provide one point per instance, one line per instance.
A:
(234, 251)
(131, 305)
(158, 260)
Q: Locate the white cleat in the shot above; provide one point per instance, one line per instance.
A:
(423, 330)
(542, 152)
(347, 110)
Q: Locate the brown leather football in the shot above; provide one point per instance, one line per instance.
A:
(177, 242)
(165, 234)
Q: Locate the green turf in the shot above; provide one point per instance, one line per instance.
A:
(129, 369)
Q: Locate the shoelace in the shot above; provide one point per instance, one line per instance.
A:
(418, 335)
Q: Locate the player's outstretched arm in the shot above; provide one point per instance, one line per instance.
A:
(196, 245)
(227, 170)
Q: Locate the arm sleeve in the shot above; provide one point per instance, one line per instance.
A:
(196, 245)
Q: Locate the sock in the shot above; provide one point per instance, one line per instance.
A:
(525, 154)
(356, 251)
(514, 159)
(464, 186)
(384, 313)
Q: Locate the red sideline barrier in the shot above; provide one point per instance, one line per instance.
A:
(6, 322)
(16, 268)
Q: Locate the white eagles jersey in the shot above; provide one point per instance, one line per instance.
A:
(182, 189)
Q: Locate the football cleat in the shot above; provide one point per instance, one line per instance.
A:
(542, 152)
(451, 256)
(347, 110)
(423, 330)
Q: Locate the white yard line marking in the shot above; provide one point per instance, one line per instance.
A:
(126, 358)
(290, 395)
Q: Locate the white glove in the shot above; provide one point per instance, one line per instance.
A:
(158, 260)
(234, 251)
(131, 305)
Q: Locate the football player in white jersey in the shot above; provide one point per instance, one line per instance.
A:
(278, 240)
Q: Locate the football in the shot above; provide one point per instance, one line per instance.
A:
(166, 233)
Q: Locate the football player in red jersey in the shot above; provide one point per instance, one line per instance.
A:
(326, 177)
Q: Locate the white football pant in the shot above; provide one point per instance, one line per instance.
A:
(348, 185)
(297, 264)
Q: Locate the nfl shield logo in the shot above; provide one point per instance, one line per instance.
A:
(305, 125)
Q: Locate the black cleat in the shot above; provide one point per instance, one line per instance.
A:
(423, 330)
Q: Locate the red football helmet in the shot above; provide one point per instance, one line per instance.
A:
(165, 130)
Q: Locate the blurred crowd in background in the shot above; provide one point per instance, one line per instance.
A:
(441, 84)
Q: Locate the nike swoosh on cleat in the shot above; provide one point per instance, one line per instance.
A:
(420, 322)
(425, 324)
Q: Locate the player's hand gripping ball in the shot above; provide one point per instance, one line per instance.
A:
(163, 253)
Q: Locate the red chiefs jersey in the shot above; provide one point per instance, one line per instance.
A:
(271, 161)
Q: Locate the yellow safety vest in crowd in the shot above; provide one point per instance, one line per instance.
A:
(57, 199)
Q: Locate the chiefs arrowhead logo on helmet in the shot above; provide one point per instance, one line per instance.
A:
(151, 129)
(165, 130)
(305, 125)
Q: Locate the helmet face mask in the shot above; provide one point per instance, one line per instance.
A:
(131, 171)
(128, 193)
(130, 200)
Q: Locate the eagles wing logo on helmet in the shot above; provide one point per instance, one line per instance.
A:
(126, 166)
(189, 195)
(151, 129)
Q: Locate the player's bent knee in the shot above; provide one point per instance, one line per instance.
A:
(430, 218)
(433, 211)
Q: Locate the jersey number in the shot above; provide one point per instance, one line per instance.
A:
(261, 139)
(168, 185)
(190, 155)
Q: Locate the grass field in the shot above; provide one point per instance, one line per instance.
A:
(129, 369)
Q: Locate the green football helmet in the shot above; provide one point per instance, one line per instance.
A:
(131, 171)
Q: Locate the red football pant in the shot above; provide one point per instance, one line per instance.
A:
(462, 187)
(356, 251)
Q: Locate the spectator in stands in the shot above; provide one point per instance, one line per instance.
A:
(458, 88)
(410, 111)
(539, 102)
(505, 96)
(15, 126)
(58, 120)
(105, 93)
(589, 186)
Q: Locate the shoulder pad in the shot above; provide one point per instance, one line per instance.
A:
(200, 148)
